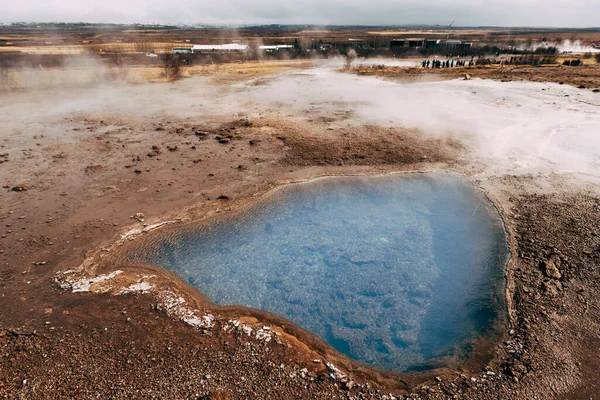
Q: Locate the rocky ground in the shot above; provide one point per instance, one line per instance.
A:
(77, 188)
(585, 77)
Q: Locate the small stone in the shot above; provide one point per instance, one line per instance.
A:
(139, 217)
(90, 169)
(348, 385)
(550, 268)
(20, 188)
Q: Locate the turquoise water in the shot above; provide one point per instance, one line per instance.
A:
(393, 271)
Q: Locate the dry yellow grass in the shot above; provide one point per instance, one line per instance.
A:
(52, 50)
(227, 73)
(418, 33)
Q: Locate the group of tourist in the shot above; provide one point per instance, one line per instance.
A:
(446, 64)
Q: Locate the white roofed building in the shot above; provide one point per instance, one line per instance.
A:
(221, 47)
(277, 47)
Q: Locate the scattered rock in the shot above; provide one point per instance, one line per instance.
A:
(90, 169)
(223, 197)
(20, 188)
(224, 141)
(172, 147)
(552, 287)
(139, 217)
(160, 128)
(467, 77)
(551, 268)
(348, 385)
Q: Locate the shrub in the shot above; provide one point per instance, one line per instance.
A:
(172, 65)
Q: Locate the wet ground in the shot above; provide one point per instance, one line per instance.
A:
(79, 163)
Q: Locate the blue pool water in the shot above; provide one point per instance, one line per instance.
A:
(393, 271)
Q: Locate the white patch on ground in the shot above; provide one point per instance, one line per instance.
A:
(265, 334)
(158, 225)
(176, 306)
(131, 234)
(139, 287)
(335, 373)
(83, 285)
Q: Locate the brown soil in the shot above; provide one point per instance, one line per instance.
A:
(82, 193)
(584, 77)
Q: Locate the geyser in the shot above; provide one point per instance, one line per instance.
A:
(395, 271)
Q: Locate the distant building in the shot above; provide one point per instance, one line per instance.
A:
(276, 47)
(418, 43)
(182, 50)
(410, 42)
(220, 47)
(455, 44)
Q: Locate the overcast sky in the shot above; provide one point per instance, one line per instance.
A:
(550, 13)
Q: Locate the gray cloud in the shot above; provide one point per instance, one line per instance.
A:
(551, 13)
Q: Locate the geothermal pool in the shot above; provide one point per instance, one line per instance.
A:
(397, 272)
